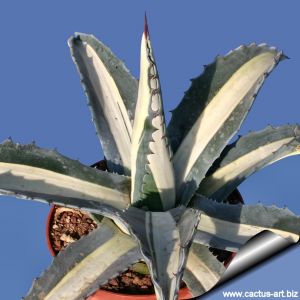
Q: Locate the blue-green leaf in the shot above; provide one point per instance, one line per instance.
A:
(248, 155)
(152, 170)
(228, 227)
(212, 111)
(112, 93)
(86, 264)
(203, 271)
(30, 172)
(164, 238)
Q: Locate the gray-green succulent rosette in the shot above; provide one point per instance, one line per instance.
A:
(163, 196)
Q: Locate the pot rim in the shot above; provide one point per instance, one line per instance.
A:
(184, 294)
(48, 224)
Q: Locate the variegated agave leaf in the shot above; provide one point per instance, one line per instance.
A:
(133, 136)
(152, 170)
(248, 155)
(86, 264)
(30, 172)
(112, 93)
(214, 108)
(202, 271)
(164, 238)
(229, 227)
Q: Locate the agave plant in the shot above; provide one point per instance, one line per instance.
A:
(164, 194)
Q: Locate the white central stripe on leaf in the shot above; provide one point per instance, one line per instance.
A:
(164, 244)
(237, 233)
(240, 165)
(31, 179)
(157, 151)
(111, 103)
(217, 112)
(202, 272)
(91, 267)
(142, 105)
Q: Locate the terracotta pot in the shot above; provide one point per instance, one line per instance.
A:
(103, 294)
(184, 293)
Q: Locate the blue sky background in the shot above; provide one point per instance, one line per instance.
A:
(42, 100)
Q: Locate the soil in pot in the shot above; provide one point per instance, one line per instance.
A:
(69, 225)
